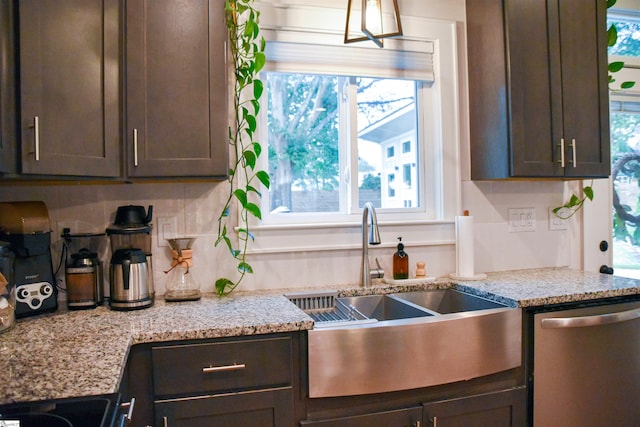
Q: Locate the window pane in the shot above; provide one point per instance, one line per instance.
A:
(309, 120)
(628, 43)
(386, 119)
(303, 142)
(625, 158)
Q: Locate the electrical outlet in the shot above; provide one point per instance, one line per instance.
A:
(522, 219)
(556, 223)
(166, 229)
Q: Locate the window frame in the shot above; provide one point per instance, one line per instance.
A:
(443, 105)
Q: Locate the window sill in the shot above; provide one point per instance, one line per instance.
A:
(346, 236)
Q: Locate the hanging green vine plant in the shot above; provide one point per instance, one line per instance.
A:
(245, 176)
(575, 202)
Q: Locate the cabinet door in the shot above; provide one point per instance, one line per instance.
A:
(8, 153)
(263, 408)
(69, 90)
(500, 409)
(176, 103)
(408, 417)
(585, 94)
(537, 82)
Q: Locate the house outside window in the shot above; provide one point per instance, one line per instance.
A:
(406, 147)
(391, 152)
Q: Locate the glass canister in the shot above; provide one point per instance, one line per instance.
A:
(7, 288)
(181, 285)
(84, 280)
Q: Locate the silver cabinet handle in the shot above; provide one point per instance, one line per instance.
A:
(582, 321)
(435, 421)
(573, 147)
(562, 159)
(135, 147)
(36, 137)
(165, 422)
(130, 405)
(234, 367)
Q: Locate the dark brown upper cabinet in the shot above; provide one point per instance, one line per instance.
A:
(8, 141)
(69, 87)
(176, 89)
(538, 94)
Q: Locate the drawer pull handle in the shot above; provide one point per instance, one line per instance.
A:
(234, 367)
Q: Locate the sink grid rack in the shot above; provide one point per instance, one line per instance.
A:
(326, 309)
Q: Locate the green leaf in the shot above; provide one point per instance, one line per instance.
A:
(241, 195)
(610, 3)
(244, 267)
(264, 178)
(256, 106)
(261, 59)
(627, 85)
(258, 88)
(588, 192)
(252, 189)
(257, 148)
(250, 158)
(225, 213)
(612, 35)
(227, 241)
(573, 201)
(254, 210)
(247, 233)
(615, 66)
(252, 123)
(221, 285)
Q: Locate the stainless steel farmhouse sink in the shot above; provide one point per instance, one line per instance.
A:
(445, 301)
(383, 307)
(382, 343)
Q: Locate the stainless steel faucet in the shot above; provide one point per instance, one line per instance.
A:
(369, 214)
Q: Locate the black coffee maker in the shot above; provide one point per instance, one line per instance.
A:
(25, 225)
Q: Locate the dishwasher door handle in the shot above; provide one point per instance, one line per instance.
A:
(582, 321)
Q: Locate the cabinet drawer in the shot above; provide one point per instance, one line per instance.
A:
(221, 366)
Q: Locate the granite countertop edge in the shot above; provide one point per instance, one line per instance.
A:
(82, 353)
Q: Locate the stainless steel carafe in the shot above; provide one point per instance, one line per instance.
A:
(130, 278)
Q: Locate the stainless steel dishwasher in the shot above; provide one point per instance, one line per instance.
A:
(586, 366)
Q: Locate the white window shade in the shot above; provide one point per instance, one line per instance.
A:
(348, 60)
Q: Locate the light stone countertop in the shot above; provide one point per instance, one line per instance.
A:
(82, 353)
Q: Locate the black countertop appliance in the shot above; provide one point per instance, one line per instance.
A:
(25, 225)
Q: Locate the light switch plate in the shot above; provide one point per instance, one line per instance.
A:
(556, 223)
(522, 219)
(166, 229)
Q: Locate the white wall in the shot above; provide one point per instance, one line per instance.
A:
(196, 206)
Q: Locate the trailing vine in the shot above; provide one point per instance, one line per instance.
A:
(245, 176)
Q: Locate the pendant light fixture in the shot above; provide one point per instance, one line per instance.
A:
(371, 18)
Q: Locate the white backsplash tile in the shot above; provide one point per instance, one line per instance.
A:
(195, 206)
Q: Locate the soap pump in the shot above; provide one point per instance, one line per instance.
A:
(400, 263)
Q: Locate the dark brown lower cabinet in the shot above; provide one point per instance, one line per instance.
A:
(498, 409)
(261, 408)
(407, 417)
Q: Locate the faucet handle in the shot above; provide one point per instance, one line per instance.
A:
(377, 273)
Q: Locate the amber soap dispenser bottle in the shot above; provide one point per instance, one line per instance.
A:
(400, 263)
